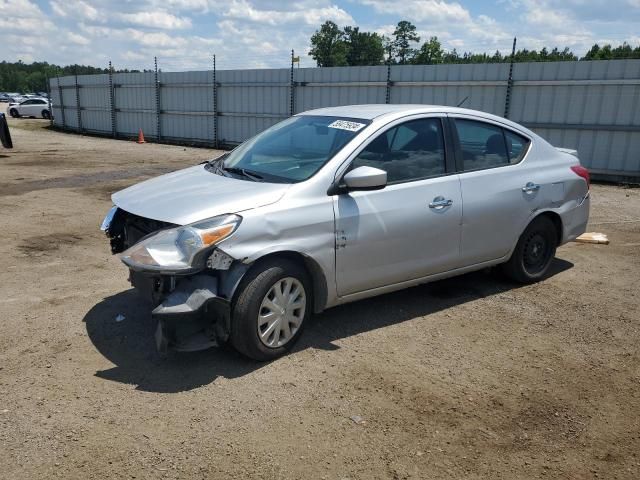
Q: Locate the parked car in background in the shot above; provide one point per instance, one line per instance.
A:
(336, 205)
(11, 97)
(32, 107)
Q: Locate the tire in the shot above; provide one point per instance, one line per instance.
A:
(532, 257)
(14, 113)
(252, 333)
(46, 115)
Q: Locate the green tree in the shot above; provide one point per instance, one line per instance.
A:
(363, 48)
(328, 46)
(22, 77)
(607, 52)
(451, 57)
(430, 53)
(404, 37)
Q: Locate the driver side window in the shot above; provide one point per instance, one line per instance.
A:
(410, 151)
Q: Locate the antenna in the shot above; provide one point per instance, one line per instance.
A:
(463, 100)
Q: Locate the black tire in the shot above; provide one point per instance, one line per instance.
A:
(46, 115)
(534, 252)
(14, 113)
(246, 308)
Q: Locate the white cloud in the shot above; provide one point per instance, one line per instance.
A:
(242, 9)
(19, 8)
(76, 9)
(261, 33)
(78, 39)
(434, 11)
(157, 19)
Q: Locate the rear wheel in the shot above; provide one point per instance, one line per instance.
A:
(14, 113)
(271, 310)
(46, 115)
(534, 252)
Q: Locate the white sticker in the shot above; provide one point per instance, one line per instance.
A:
(345, 125)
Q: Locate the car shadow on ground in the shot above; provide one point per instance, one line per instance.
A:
(129, 343)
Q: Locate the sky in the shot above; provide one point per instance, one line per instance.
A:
(184, 34)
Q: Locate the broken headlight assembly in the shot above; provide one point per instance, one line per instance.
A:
(181, 249)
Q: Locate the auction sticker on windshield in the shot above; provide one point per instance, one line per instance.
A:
(345, 125)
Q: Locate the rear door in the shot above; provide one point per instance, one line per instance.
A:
(409, 229)
(500, 189)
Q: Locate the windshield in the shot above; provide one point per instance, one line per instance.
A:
(293, 150)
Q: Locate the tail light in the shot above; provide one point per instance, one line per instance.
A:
(582, 172)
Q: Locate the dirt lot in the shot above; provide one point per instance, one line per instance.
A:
(467, 378)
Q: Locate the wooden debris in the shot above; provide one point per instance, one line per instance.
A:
(593, 237)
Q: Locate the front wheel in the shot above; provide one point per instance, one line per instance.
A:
(46, 115)
(534, 252)
(271, 310)
(14, 113)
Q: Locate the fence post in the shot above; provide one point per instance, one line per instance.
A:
(507, 98)
(112, 106)
(292, 87)
(215, 106)
(49, 101)
(64, 126)
(157, 84)
(389, 82)
(79, 114)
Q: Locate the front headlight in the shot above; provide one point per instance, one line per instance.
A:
(181, 249)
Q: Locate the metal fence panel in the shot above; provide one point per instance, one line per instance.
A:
(186, 104)
(590, 106)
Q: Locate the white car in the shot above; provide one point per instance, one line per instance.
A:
(32, 107)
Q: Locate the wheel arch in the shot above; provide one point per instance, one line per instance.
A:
(311, 266)
(557, 222)
(553, 216)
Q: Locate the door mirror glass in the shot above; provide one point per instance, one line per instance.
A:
(5, 136)
(365, 178)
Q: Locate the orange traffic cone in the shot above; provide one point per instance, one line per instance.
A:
(140, 136)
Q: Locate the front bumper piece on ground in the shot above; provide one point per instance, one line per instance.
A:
(191, 316)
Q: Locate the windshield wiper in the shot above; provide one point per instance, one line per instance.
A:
(244, 172)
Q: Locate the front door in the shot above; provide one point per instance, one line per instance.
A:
(409, 229)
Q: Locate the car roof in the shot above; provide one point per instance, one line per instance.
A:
(373, 111)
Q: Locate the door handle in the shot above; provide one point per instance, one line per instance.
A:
(440, 202)
(531, 187)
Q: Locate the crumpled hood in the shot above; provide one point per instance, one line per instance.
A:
(194, 194)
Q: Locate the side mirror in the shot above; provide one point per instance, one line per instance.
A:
(5, 136)
(365, 178)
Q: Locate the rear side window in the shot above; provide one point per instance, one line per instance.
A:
(517, 146)
(485, 145)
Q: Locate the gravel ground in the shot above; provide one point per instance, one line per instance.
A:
(472, 377)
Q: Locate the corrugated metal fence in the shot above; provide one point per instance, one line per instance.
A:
(589, 106)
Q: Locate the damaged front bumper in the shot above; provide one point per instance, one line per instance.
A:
(190, 313)
(192, 308)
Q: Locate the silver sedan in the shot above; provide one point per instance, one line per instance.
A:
(336, 205)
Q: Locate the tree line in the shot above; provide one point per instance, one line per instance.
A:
(332, 46)
(22, 77)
